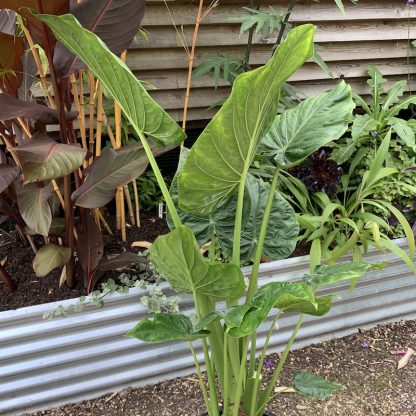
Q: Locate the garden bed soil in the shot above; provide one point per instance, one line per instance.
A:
(33, 290)
(362, 363)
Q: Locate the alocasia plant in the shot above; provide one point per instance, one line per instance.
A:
(216, 170)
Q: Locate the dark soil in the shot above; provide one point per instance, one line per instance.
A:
(362, 363)
(33, 290)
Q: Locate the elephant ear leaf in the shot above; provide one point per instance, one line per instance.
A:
(166, 327)
(220, 158)
(176, 257)
(301, 130)
(287, 296)
(326, 275)
(144, 114)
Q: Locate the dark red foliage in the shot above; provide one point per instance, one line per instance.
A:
(319, 173)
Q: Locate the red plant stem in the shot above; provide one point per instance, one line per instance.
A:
(7, 280)
(59, 89)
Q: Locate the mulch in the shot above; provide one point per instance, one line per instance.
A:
(362, 363)
(33, 290)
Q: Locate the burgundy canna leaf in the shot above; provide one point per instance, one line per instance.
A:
(8, 174)
(116, 22)
(36, 28)
(120, 261)
(11, 108)
(43, 159)
(90, 247)
(7, 22)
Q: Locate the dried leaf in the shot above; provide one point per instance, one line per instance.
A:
(50, 257)
(284, 389)
(405, 359)
(141, 244)
(62, 278)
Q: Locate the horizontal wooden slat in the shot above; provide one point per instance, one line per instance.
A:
(176, 58)
(205, 97)
(215, 35)
(305, 11)
(169, 79)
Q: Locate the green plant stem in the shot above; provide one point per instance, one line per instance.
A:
(216, 338)
(240, 379)
(213, 399)
(161, 182)
(226, 376)
(200, 378)
(253, 284)
(268, 391)
(260, 365)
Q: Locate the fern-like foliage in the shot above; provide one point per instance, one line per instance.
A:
(222, 66)
(262, 21)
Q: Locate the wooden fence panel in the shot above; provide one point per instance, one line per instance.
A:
(370, 32)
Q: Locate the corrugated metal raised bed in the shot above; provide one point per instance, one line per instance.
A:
(44, 363)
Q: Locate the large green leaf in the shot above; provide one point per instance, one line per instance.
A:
(219, 222)
(361, 126)
(111, 170)
(287, 296)
(404, 131)
(316, 121)
(222, 154)
(49, 257)
(43, 159)
(144, 114)
(326, 275)
(282, 230)
(166, 327)
(176, 257)
(34, 207)
(310, 384)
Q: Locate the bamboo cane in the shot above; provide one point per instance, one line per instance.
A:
(83, 131)
(91, 85)
(39, 65)
(104, 222)
(136, 202)
(120, 215)
(99, 118)
(191, 57)
(81, 115)
(123, 217)
(109, 131)
(129, 204)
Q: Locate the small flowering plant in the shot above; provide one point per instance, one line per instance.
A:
(216, 197)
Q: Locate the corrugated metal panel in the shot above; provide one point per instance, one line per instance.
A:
(46, 363)
(371, 31)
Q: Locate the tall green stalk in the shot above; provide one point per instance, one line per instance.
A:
(160, 181)
(265, 397)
